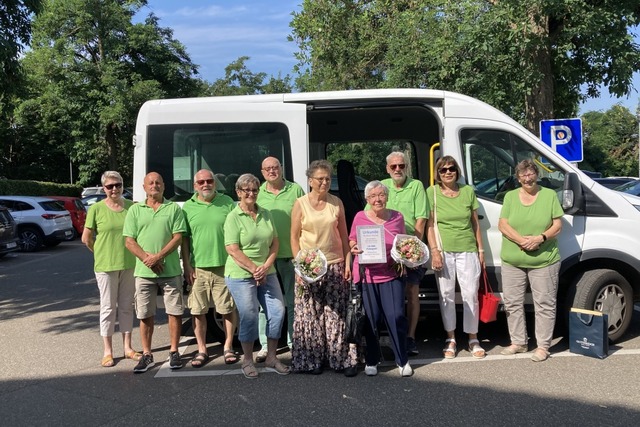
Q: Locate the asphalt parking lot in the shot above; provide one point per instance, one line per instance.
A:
(50, 373)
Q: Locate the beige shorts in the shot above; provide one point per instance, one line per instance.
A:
(209, 290)
(147, 295)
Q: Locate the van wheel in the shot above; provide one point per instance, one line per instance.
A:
(609, 292)
(30, 239)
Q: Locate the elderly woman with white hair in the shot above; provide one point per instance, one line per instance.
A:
(113, 265)
(382, 290)
(251, 240)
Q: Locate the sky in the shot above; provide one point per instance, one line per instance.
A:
(217, 32)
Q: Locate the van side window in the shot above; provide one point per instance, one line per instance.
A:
(490, 160)
(178, 151)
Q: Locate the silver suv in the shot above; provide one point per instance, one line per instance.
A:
(40, 221)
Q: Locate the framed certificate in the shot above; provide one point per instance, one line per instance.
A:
(371, 243)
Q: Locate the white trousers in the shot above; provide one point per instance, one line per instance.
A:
(117, 290)
(465, 266)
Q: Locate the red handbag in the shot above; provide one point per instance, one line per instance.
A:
(487, 302)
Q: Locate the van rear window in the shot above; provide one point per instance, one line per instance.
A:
(177, 152)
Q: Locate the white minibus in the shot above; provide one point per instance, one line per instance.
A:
(600, 239)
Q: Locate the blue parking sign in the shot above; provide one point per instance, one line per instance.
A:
(564, 136)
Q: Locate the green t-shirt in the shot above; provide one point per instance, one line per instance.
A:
(253, 237)
(205, 229)
(280, 206)
(153, 230)
(109, 251)
(454, 218)
(410, 201)
(531, 220)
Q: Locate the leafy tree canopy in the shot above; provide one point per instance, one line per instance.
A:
(528, 58)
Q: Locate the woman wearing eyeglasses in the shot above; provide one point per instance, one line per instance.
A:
(456, 252)
(251, 241)
(529, 222)
(113, 266)
(318, 222)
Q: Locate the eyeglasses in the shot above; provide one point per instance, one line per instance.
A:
(321, 180)
(204, 181)
(249, 190)
(377, 196)
(112, 186)
(271, 168)
(398, 166)
(527, 176)
(451, 169)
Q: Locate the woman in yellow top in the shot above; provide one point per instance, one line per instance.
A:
(318, 222)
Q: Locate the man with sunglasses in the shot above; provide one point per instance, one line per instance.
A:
(407, 196)
(204, 257)
(278, 195)
(153, 231)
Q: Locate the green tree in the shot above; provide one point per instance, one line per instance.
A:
(89, 71)
(240, 80)
(529, 59)
(611, 142)
(15, 33)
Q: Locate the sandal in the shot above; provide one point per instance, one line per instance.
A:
(199, 360)
(449, 352)
(249, 371)
(540, 355)
(107, 361)
(230, 356)
(476, 351)
(279, 367)
(133, 355)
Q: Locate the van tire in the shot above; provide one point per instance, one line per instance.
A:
(609, 292)
(30, 239)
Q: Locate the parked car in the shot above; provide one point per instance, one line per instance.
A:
(613, 181)
(40, 221)
(77, 210)
(8, 232)
(127, 192)
(91, 199)
(631, 187)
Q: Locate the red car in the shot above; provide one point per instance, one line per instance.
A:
(76, 209)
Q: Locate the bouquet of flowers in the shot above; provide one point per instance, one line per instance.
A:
(310, 265)
(409, 251)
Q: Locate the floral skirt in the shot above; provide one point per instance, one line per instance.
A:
(319, 323)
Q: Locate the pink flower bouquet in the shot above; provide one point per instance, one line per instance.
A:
(310, 265)
(409, 251)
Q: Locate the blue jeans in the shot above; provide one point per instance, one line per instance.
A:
(249, 298)
(287, 276)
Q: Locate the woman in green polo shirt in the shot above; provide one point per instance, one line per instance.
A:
(456, 251)
(529, 222)
(251, 240)
(113, 265)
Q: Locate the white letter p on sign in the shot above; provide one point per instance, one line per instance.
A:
(560, 135)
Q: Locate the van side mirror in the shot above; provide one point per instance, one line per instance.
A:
(572, 195)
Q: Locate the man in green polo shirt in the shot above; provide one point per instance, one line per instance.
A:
(204, 256)
(153, 231)
(278, 195)
(407, 196)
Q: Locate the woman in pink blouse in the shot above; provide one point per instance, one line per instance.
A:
(382, 289)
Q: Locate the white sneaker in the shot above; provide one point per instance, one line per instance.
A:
(371, 371)
(405, 371)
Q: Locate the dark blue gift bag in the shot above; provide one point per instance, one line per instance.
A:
(588, 333)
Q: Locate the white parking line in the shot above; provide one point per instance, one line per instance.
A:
(166, 372)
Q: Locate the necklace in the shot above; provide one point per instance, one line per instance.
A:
(449, 192)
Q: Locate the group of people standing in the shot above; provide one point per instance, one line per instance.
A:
(238, 258)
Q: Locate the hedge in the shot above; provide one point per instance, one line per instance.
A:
(16, 187)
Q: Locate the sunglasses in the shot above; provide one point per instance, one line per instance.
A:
(112, 186)
(204, 181)
(249, 190)
(398, 166)
(451, 169)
